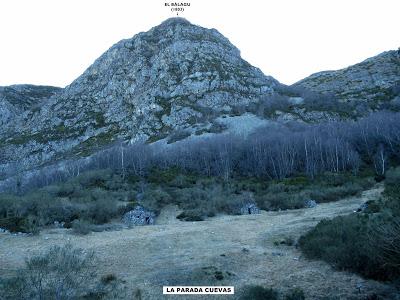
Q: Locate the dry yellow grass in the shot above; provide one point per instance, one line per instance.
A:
(188, 253)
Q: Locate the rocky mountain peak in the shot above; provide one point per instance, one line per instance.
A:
(176, 76)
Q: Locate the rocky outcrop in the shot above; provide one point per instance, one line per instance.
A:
(138, 217)
(372, 81)
(175, 76)
(310, 204)
(18, 101)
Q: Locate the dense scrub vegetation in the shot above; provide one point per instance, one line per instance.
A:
(91, 197)
(60, 273)
(96, 197)
(368, 242)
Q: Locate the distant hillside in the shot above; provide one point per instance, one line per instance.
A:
(375, 81)
(17, 100)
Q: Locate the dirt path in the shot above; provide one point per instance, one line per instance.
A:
(190, 253)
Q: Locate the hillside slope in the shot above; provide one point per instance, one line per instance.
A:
(21, 100)
(374, 81)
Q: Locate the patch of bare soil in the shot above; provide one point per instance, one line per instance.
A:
(225, 250)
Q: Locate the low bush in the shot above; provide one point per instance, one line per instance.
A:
(60, 273)
(190, 216)
(101, 210)
(108, 278)
(342, 242)
(156, 198)
(81, 227)
(92, 196)
(392, 183)
(295, 294)
(257, 292)
(96, 196)
(292, 193)
(367, 243)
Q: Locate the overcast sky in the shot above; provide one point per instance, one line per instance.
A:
(52, 42)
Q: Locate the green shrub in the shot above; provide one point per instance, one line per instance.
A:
(345, 242)
(277, 201)
(106, 279)
(101, 211)
(81, 227)
(300, 180)
(295, 294)
(385, 239)
(367, 243)
(160, 176)
(190, 216)
(330, 194)
(60, 273)
(256, 292)
(372, 207)
(93, 179)
(94, 196)
(292, 193)
(156, 198)
(30, 225)
(64, 190)
(183, 181)
(392, 183)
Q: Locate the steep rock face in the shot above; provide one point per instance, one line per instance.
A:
(175, 76)
(20, 100)
(372, 81)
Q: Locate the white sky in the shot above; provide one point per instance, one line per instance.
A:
(52, 42)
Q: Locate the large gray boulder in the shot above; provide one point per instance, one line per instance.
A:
(310, 204)
(138, 217)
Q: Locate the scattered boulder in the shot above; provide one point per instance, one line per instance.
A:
(310, 204)
(249, 209)
(139, 216)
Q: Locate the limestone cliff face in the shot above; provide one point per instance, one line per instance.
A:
(175, 80)
(20, 100)
(175, 76)
(372, 81)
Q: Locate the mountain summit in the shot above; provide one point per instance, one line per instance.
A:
(176, 76)
(174, 81)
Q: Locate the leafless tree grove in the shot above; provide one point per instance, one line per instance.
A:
(271, 153)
